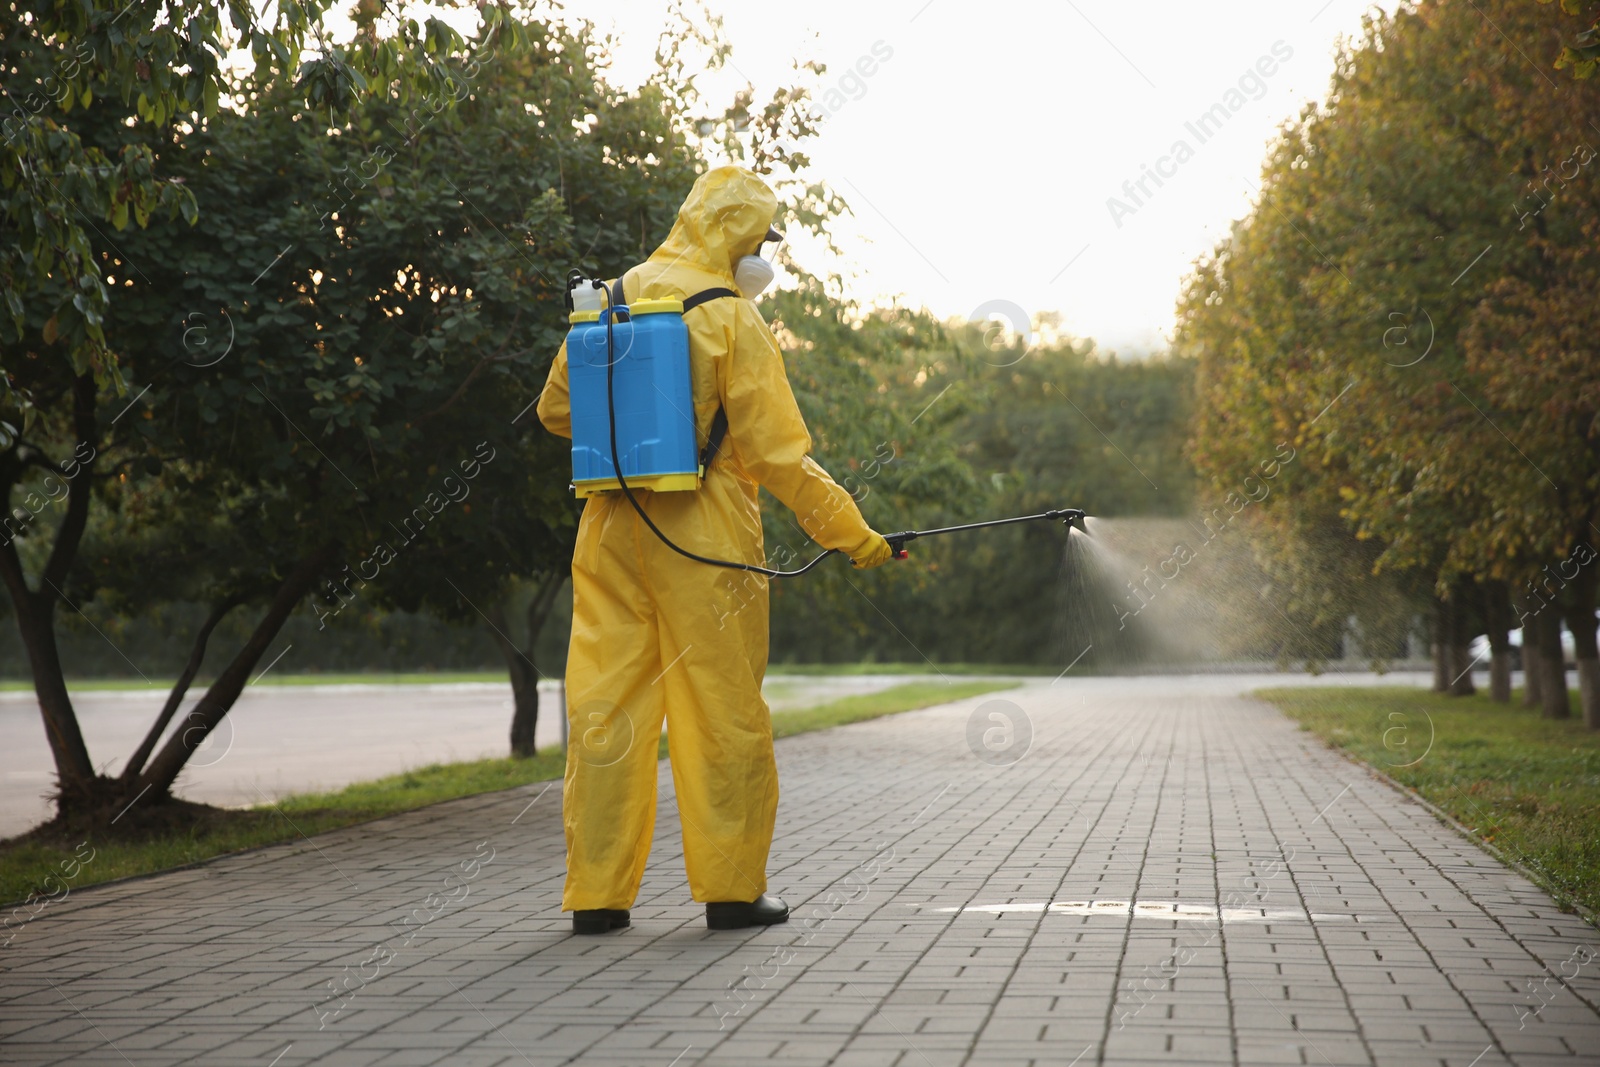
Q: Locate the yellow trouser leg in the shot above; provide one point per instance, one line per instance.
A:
(719, 730)
(614, 718)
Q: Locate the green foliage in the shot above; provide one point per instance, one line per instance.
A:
(1069, 426)
(1527, 785)
(346, 346)
(371, 645)
(1582, 54)
(930, 424)
(334, 366)
(161, 64)
(360, 314)
(142, 84)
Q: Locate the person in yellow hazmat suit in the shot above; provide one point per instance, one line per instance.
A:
(655, 634)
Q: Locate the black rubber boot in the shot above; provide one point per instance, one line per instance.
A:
(599, 920)
(735, 915)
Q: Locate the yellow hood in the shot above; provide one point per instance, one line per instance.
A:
(725, 216)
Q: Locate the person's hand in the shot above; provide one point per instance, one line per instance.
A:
(873, 552)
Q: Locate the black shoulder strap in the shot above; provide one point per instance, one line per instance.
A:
(719, 430)
(689, 303)
(719, 421)
(692, 302)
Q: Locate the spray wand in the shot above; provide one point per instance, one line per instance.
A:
(1072, 517)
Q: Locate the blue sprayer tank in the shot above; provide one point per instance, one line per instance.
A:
(654, 401)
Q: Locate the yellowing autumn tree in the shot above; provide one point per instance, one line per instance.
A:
(1411, 303)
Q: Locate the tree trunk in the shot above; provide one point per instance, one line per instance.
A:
(1441, 646)
(1581, 621)
(1452, 663)
(1552, 665)
(520, 662)
(1589, 691)
(525, 701)
(77, 782)
(1497, 624)
(212, 707)
(197, 655)
(1500, 675)
(1461, 664)
(75, 774)
(524, 683)
(1531, 671)
(1463, 625)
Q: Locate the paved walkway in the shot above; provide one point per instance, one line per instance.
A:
(1041, 887)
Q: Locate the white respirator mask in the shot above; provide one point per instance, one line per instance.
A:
(752, 274)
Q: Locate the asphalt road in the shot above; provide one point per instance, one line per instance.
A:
(295, 739)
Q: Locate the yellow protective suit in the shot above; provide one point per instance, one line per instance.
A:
(655, 634)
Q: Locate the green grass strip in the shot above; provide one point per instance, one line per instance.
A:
(1527, 785)
(834, 670)
(859, 708)
(908, 697)
(49, 867)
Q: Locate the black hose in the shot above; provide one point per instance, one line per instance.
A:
(616, 464)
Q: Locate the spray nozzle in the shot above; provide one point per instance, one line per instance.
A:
(1073, 517)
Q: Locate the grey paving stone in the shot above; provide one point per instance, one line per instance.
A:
(1380, 936)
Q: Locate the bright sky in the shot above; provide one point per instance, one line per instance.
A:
(980, 152)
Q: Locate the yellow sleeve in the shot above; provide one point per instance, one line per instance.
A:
(770, 438)
(555, 403)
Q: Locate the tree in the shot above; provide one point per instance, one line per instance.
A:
(931, 423)
(1462, 447)
(348, 300)
(68, 69)
(403, 315)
